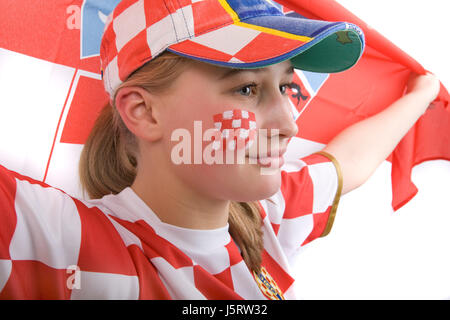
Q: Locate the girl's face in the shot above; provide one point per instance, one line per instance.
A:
(187, 111)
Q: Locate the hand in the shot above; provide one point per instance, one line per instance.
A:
(427, 85)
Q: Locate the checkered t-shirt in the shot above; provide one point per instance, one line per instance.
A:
(53, 246)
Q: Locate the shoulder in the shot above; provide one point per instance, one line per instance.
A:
(47, 234)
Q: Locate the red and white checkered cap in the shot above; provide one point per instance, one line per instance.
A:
(230, 33)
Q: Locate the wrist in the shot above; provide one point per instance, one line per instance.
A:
(420, 99)
(424, 87)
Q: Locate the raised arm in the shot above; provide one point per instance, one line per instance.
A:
(362, 147)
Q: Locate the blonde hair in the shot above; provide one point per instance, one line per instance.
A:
(109, 158)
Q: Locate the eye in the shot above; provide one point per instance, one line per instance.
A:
(248, 90)
(285, 87)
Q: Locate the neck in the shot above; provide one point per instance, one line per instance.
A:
(176, 203)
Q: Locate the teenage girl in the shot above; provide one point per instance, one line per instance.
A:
(158, 228)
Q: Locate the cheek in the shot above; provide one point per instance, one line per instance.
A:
(235, 130)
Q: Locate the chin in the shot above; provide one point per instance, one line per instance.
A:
(261, 188)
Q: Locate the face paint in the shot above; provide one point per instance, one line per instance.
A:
(237, 129)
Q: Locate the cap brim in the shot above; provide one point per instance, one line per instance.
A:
(311, 45)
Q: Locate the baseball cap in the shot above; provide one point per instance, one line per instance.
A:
(230, 33)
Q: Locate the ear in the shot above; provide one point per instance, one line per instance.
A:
(136, 107)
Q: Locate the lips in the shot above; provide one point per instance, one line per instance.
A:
(268, 154)
(273, 158)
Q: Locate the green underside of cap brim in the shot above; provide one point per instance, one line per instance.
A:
(335, 53)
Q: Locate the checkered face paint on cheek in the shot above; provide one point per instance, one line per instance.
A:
(236, 129)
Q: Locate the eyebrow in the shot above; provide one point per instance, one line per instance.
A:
(234, 71)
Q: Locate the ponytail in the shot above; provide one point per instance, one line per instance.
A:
(109, 158)
(245, 228)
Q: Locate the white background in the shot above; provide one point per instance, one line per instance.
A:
(373, 252)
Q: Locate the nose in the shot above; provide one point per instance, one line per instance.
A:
(279, 116)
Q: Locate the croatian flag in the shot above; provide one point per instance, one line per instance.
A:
(377, 80)
(51, 85)
(52, 91)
